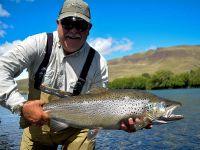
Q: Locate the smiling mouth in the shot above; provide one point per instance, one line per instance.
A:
(72, 37)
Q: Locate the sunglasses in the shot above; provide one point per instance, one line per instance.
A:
(75, 22)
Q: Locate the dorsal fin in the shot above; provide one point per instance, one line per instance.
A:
(97, 90)
(53, 91)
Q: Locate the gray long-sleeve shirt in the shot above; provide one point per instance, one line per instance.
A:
(62, 71)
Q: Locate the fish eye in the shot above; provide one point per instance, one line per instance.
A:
(164, 104)
(167, 105)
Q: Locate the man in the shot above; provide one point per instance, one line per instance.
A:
(69, 53)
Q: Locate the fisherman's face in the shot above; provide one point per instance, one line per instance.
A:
(72, 33)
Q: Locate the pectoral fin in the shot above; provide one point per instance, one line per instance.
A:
(57, 125)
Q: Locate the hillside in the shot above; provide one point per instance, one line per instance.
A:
(176, 59)
(23, 85)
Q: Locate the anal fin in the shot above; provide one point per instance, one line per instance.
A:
(92, 133)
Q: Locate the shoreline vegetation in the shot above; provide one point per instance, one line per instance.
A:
(163, 79)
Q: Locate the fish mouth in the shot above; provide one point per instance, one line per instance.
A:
(169, 116)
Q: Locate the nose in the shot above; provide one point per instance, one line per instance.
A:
(73, 30)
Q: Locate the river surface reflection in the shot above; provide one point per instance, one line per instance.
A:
(183, 134)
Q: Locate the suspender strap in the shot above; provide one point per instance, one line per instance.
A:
(43, 66)
(81, 81)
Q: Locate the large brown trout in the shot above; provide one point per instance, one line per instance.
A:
(106, 109)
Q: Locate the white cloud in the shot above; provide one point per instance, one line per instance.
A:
(2, 33)
(109, 45)
(151, 47)
(3, 12)
(4, 26)
(7, 46)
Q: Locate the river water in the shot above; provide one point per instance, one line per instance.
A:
(180, 135)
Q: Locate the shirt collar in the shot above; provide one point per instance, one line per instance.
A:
(85, 45)
(77, 52)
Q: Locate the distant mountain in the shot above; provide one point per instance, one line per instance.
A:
(176, 59)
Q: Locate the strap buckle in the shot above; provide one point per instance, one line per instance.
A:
(78, 87)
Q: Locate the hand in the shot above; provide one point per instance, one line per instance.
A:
(32, 112)
(129, 125)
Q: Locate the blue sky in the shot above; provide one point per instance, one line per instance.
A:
(120, 28)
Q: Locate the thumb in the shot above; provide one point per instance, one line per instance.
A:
(40, 102)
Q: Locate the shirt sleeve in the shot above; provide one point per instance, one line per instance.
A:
(101, 75)
(12, 63)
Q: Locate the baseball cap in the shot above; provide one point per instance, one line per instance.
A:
(75, 8)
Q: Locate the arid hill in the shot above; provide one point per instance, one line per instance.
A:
(176, 59)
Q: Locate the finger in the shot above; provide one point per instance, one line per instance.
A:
(39, 122)
(131, 124)
(137, 120)
(45, 117)
(123, 126)
(32, 111)
(41, 102)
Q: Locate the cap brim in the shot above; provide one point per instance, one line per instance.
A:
(72, 14)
